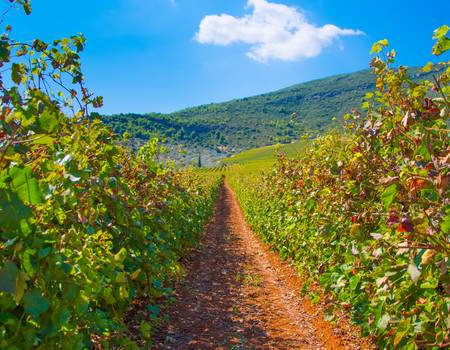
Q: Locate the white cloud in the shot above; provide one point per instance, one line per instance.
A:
(274, 31)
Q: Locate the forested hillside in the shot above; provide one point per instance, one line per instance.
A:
(220, 129)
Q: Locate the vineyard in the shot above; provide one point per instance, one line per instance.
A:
(366, 215)
(97, 238)
(87, 227)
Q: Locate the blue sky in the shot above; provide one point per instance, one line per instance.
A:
(153, 56)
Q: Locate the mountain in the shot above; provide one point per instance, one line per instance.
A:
(218, 130)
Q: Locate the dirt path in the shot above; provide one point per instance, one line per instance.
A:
(239, 295)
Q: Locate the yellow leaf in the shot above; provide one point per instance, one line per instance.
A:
(121, 255)
(398, 338)
(121, 278)
(379, 45)
(135, 274)
(355, 229)
(123, 292)
(427, 257)
(428, 67)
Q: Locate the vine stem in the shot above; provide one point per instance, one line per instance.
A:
(20, 325)
(440, 91)
(4, 151)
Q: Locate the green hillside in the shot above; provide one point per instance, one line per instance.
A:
(219, 130)
(263, 157)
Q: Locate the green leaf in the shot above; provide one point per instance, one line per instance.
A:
(430, 283)
(423, 151)
(17, 73)
(107, 294)
(61, 317)
(7, 318)
(35, 304)
(70, 292)
(44, 252)
(27, 7)
(42, 139)
(310, 204)
(354, 282)
(21, 286)
(25, 185)
(39, 45)
(443, 45)
(445, 225)
(29, 262)
(13, 214)
(388, 195)
(4, 51)
(48, 122)
(145, 329)
(154, 310)
(8, 276)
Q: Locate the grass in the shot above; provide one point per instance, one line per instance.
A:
(259, 159)
(256, 160)
(264, 154)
